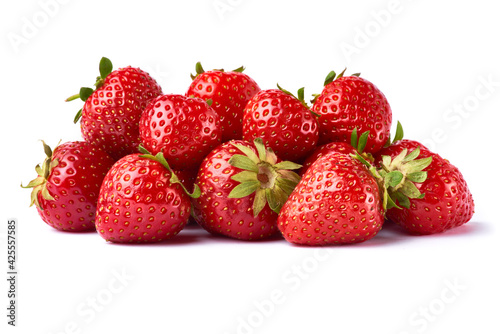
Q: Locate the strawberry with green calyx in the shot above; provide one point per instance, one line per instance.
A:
(243, 186)
(66, 189)
(347, 102)
(229, 91)
(142, 201)
(284, 123)
(111, 113)
(342, 198)
(447, 203)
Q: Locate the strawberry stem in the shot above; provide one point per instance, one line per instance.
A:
(105, 68)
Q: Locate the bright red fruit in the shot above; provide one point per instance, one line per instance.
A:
(66, 189)
(184, 129)
(283, 122)
(349, 102)
(447, 202)
(111, 113)
(229, 92)
(337, 202)
(141, 201)
(243, 186)
(326, 149)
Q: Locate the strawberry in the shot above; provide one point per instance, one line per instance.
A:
(342, 197)
(337, 201)
(349, 102)
(243, 186)
(447, 203)
(66, 189)
(184, 129)
(142, 201)
(325, 149)
(111, 113)
(285, 123)
(229, 91)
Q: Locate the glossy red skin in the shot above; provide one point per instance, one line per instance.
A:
(336, 202)
(217, 213)
(184, 129)
(187, 177)
(447, 203)
(282, 122)
(325, 150)
(229, 92)
(137, 203)
(110, 116)
(350, 102)
(74, 184)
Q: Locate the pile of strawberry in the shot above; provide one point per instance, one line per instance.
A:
(243, 162)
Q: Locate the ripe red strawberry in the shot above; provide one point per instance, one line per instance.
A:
(326, 149)
(141, 201)
(243, 186)
(337, 201)
(111, 113)
(349, 102)
(184, 129)
(447, 203)
(66, 189)
(285, 123)
(229, 91)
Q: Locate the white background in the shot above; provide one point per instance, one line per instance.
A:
(433, 60)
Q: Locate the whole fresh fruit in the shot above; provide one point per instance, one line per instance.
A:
(243, 186)
(284, 123)
(349, 102)
(447, 202)
(142, 201)
(66, 189)
(111, 113)
(229, 92)
(184, 129)
(338, 201)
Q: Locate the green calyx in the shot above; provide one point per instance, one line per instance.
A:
(397, 136)
(105, 68)
(39, 185)
(271, 181)
(199, 70)
(300, 97)
(332, 76)
(174, 179)
(359, 144)
(400, 175)
(396, 177)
